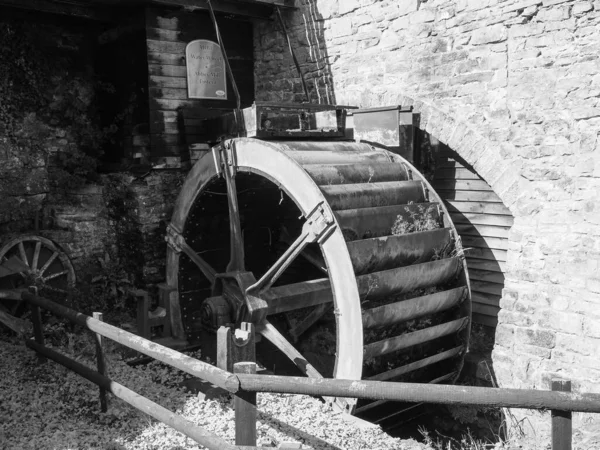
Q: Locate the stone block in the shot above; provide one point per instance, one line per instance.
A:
(505, 336)
(536, 351)
(580, 8)
(553, 2)
(554, 14)
(423, 15)
(340, 27)
(526, 30)
(535, 337)
(347, 6)
(591, 327)
(577, 344)
(515, 318)
(407, 6)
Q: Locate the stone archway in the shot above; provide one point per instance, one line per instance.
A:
(491, 160)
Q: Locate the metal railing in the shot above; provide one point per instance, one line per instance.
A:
(245, 384)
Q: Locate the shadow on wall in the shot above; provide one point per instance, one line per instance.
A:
(281, 80)
(482, 221)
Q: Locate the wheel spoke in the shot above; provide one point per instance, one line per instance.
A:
(47, 264)
(23, 254)
(55, 275)
(36, 255)
(275, 271)
(236, 241)
(272, 334)
(205, 268)
(298, 295)
(309, 321)
(318, 226)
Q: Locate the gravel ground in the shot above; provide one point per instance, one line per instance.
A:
(49, 407)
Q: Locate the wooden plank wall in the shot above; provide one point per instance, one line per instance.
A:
(175, 120)
(483, 222)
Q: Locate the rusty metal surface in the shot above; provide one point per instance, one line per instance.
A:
(396, 372)
(368, 172)
(365, 195)
(413, 308)
(364, 223)
(406, 279)
(408, 340)
(371, 255)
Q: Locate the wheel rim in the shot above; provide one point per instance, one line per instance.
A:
(49, 268)
(268, 161)
(303, 171)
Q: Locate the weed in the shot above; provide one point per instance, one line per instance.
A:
(423, 218)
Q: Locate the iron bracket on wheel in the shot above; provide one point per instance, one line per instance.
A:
(174, 239)
(319, 224)
(225, 158)
(233, 285)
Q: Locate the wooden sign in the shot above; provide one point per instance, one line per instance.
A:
(206, 76)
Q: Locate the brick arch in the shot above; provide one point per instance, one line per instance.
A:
(490, 159)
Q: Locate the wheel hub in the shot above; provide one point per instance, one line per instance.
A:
(232, 301)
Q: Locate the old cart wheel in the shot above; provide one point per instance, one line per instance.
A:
(340, 253)
(48, 268)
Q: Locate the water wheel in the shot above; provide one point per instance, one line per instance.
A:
(340, 253)
(41, 263)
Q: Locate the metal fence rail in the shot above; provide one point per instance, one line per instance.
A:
(245, 384)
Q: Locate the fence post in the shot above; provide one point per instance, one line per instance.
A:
(245, 409)
(36, 320)
(143, 305)
(100, 362)
(561, 420)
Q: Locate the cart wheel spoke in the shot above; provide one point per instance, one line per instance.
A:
(57, 263)
(272, 334)
(36, 255)
(22, 253)
(47, 264)
(56, 275)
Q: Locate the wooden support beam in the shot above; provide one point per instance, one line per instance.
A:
(82, 11)
(245, 408)
(259, 9)
(104, 10)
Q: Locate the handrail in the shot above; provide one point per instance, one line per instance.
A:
(195, 367)
(417, 392)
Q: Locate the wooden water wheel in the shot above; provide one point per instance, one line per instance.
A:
(340, 253)
(42, 264)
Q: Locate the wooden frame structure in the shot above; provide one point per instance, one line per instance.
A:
(100, 10)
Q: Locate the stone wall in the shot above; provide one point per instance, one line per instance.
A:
(52, 142)
(513, 86)
(48, 132)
